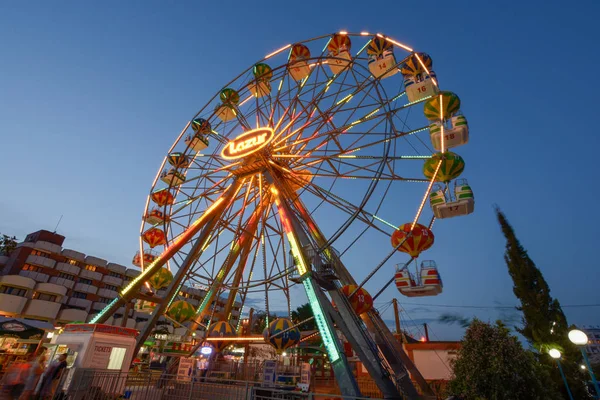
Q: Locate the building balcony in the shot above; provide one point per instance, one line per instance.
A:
(118, 268)
(121, 311)
(41, 309)
(51, 288)
(74, 255)
(36, 276)
(235, 313)
(82, 287)
(98, 306)
(17, 281)
(99, 262)
(62, 282)
(107, 293)
(47, 246)
(111, 280)
(72, 315)
(84, 303)
(142, 314)
(40, 261)
(26, 244)
(130, 322)
(194, 302)
(12, 305)
(132, 273)
(68, 268)
(95, 276)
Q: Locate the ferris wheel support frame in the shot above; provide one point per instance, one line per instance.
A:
(218, 208)
(298, 239)
(389, 346)
(242, 247)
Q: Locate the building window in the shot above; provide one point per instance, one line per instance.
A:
(13, 291)
(40, 253)
(90, 268)
(115, 274)
(86, 281)
(104, 300)
(66, 276)
(111, 287)
(79, 295)
(46, 297)
(72, 262)
(29, 267)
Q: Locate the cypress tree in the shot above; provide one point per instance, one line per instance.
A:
(544, 323)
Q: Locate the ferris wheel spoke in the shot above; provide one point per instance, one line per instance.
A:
(347, 207)
(336, 108)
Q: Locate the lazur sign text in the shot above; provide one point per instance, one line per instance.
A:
(247, 143)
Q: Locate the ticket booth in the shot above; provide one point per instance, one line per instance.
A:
(99, 357)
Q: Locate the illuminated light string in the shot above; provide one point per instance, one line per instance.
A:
(287, 46)
(363, 48)
(364, 211)
(442, 138)
(235, 339)
(145, 273)
(326, 334)
(426, 70)
(327, 44)
(345, 99)
(246, 100)
(426, 195)
(398, 44)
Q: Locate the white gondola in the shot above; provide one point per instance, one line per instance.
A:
(172, 177)
(463, 205)
(155, 216)
(429, 281)
(338, 63)
(456, 133)
(383, 66)
(260, 88)
(197, 141)
(420, 86)
(299, 70)
(225, 112)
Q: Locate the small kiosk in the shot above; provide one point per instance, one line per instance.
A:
(94, 350)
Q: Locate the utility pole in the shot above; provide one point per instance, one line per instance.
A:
(426, 332)
(397, 316)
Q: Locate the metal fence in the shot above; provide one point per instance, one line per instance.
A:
(85, 384)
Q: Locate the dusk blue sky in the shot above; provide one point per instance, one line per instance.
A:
(93, 95)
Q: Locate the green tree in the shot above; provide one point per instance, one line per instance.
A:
(7, 245)
(302, 313)
(544, 323)
(259, 321)
(492, 364)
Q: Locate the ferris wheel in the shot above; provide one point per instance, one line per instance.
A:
(295, 168)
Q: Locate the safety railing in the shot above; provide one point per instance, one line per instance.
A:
(86, 384)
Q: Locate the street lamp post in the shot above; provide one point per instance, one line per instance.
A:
(580, 339)
(556, 355)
